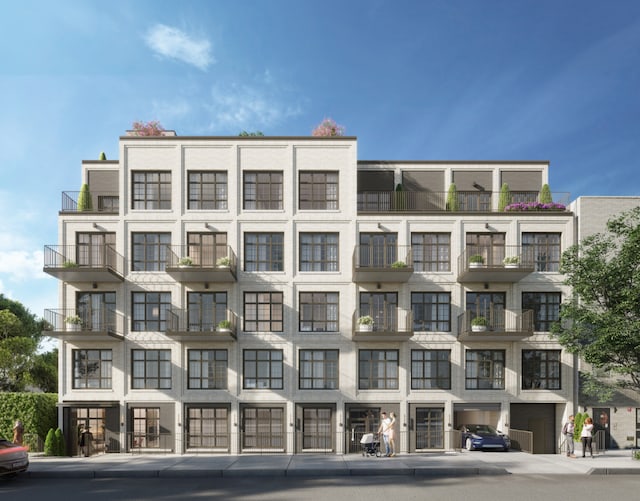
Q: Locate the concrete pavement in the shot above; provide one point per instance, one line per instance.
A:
(459, 463)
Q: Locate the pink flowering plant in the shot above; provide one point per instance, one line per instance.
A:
(328, 128)
(152, 128)
(534, 206)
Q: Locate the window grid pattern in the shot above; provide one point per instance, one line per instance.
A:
(545, 306)
(151, 369)
(378, 369)
(263, 311)
(150, 251)
(207, 369)
(263, 369)
(92, 369)
(205, 249)
(318, 370)
(431, 311)
(484, 369)
(151, 190)
(264, 252)
(208, 427)
(430, 369)
(319, 311)
(318, 190)
(206, 310)
(541, 370)
(431, 251)
(146, 427)
(150, 311)
(262, 191)
(207, 190)
(543, 249)
(319, 252)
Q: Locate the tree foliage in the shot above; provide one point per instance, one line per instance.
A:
(601, 323)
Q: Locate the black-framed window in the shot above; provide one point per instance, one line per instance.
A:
(146, 427)
(150, 251)
(207, 190)
(93, 249)
(431, 311)
(382, 307)
(92, 369)
(319, 251)
(484, 369)
(490, 245)
(541, 369)
(377, 250)
(151, 190)
(151, 369)
(431, 251)
(430, 369)
(543, 249)
(545, 306)
(318, 190)
(206, 248)
(319, 311)
(263, 251)
(208, 427)
(318, 370)
(263, 311)
(150, 311)
(262, 369)
(262, 190)
(206, 310)
(207, 369)
(97, 310)
(378, 369)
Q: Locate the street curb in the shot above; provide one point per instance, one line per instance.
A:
(613, 471)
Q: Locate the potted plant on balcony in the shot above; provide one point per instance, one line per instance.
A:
(476, 261)
(223, 262)
(224, 326)
(479, 324)
(185, 262)
(365, 323)
(69, 264)
(73, 322)
(511, 261)
(399, 264)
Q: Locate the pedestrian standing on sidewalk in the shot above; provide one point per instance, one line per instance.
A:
(383, 432)
(586, 437)
(567, 431)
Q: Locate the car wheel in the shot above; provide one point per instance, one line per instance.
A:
(468, 445)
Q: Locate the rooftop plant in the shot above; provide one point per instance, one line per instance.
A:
(545, 194)
(505, 197)
(84, 199)
(534, 206)
(452, 198)
(151, 128)
(328, 128)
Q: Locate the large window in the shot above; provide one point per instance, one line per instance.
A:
(151, 190)
(484, 369)
(319, 311)
(263, 369)
(263, 311)
(318, 190)
(150, 251)
(96, 250)
(263, 251)
(378, 369)
(146, 427)
(319, 252)
(431, 251)
(545, 306)
(382, 307)
(150, 311)
(318, 370)
(543, 249)
(206, 310)
(430, 369)
(263, 428)
(262, 191)
(431, 311)
(151, 369)
(207, 369)
(541, 369)
(97, 310)
(205, 249)
(208, 427)
(491, 246)
(378, 250)
(207, 190)
(92, 369)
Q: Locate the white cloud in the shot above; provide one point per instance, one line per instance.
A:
(21, 265)
(175, 44)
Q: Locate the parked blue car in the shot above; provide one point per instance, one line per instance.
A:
(484, 437)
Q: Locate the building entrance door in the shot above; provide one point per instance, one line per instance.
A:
(360, 420)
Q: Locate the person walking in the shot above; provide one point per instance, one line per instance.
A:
(567, 432)
(586, 437)
(18, 432)
(383, 430)
(391, 434)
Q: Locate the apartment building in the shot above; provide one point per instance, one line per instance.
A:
(211, 291)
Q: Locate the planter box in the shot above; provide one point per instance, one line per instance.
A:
(365, 328)
(478, 328)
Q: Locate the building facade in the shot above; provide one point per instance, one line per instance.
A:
(276, 294)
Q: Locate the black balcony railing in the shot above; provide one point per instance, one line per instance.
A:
(84, 321)
(104, 202)
(196, 323)
(72, 258)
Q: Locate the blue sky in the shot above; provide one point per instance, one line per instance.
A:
(553, 80)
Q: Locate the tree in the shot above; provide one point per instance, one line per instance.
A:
(151, 128)
(85, 202)
(452, 198)
(601, 323)
(545, 194)
(328, 128)
(505, 197)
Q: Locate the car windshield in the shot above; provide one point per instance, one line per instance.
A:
(482, 429)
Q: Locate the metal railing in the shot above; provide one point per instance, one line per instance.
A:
(498, 257)
(521, 440)
(184, 320)
(101, 202)
(81, 320)
(201, 256)
(83, 257)
(499, 320)
(391, 320)
(389, 256)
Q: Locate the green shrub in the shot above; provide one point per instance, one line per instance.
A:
(545, 195)
(452, 198)
(37, 411)
(60, 448)
(84, 199)
(505, 197)
(50, 443)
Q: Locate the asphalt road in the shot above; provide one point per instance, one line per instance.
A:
(494, 488)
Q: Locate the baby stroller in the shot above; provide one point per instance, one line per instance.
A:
(370, 445)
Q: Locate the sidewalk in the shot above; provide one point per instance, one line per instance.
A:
(430, 464)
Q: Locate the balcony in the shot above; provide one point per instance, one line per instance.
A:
(502, 325)
(196, 263)
(102, 202)
(78, 325)
(396, 325)
(495, 264)
(383, 202)
(384, 263)
(84, 263)
(197, 326)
